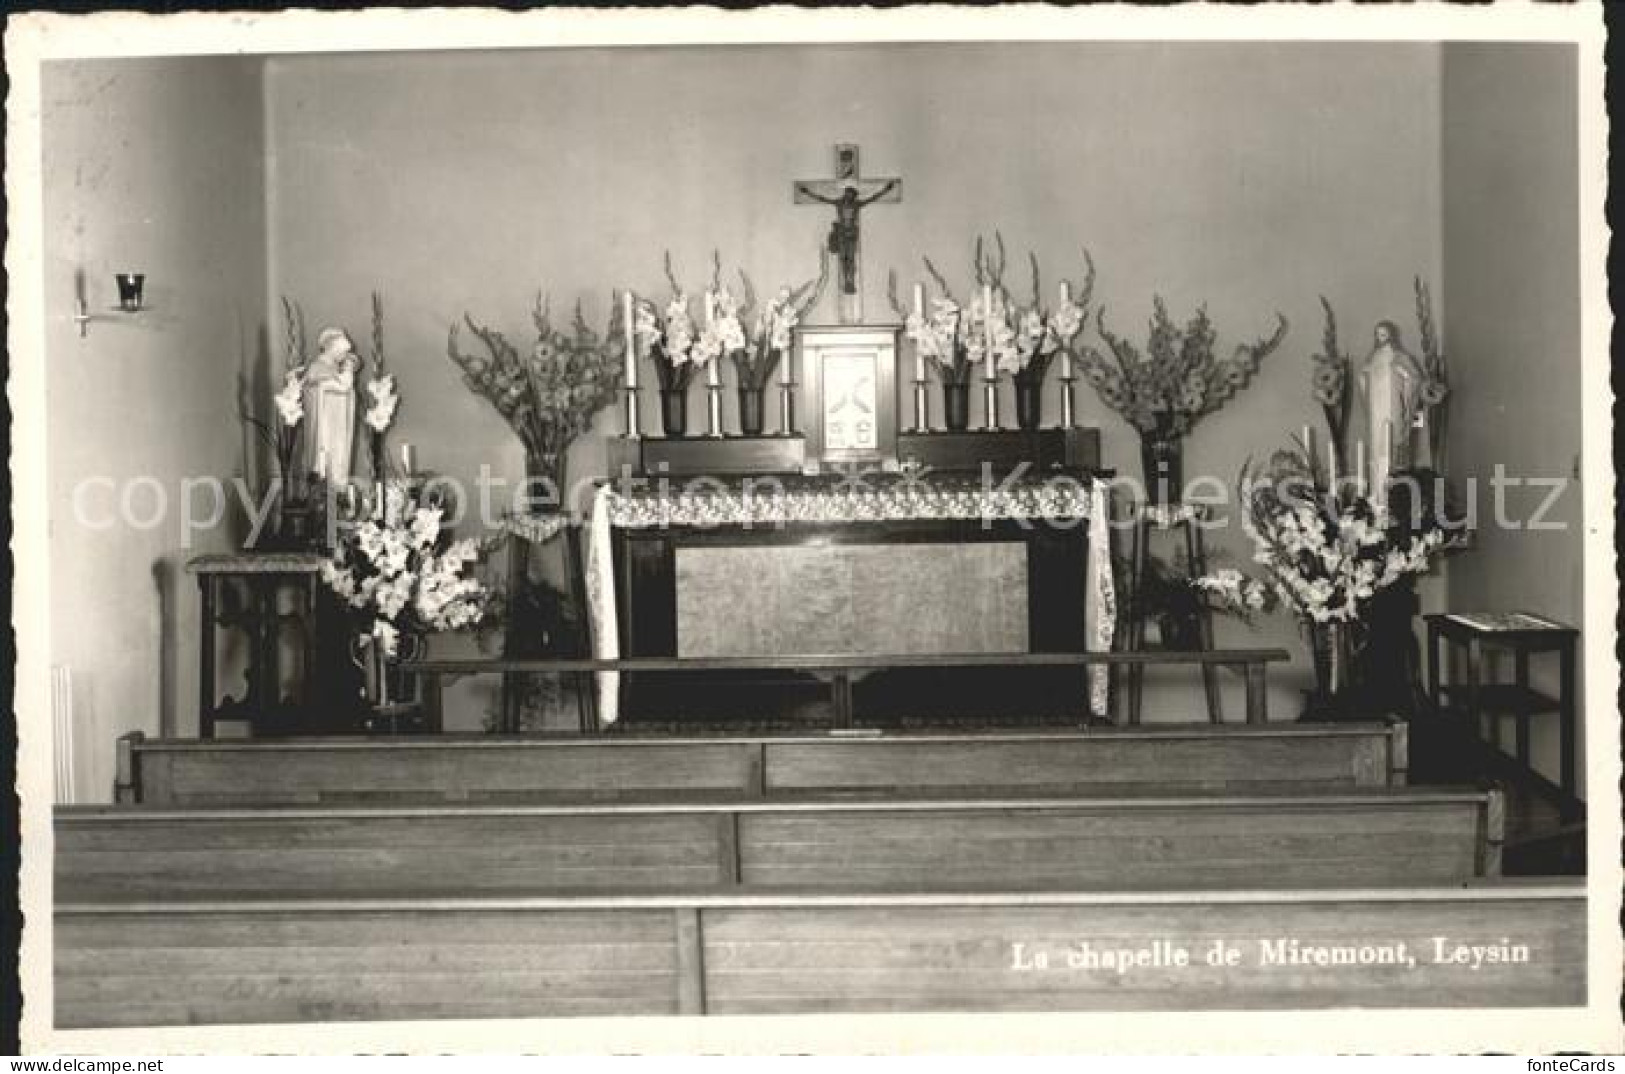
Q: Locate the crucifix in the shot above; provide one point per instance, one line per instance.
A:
(848, 192)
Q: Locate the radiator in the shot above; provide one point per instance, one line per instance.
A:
(62, 732)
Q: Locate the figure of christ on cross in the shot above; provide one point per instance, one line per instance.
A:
(848, 194)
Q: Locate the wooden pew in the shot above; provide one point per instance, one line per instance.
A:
(1039, 842)
(335, 959)
(1192, 757)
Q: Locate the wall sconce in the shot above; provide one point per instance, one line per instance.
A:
(131, 287)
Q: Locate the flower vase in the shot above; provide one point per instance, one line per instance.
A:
(1329, 648)
(1436, 438)
(674, 411)
(1029, 402)
(750, 411)
(956, 407)
(544, 482)
(1161, 458)
(386, 691)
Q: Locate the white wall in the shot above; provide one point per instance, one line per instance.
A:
(1512, 326)
(154, 166)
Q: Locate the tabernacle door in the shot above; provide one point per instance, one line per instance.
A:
(849, 374)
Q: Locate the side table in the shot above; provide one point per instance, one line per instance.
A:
(261, 578)
(1152, 518)
(1522, 634)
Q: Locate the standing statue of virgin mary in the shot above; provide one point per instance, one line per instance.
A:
(1390, 384)
(330, 404)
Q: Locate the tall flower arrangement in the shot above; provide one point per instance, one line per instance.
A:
(283, 433)
(1178, 379)
(402, 574)
(1330, 384)
(382, 399)
(549, 395)
(767, 331)
(941, 331)
(677, 345)
(1435, 390)
(1325, 556)
(1042, 332)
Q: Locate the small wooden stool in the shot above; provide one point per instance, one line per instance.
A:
(1522, 634)
(1149, 518)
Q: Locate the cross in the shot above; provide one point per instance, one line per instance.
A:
(848, 192)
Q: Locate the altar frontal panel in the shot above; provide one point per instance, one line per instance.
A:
(783, 600)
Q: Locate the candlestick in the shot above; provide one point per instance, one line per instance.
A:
(990, 404)
(713, 375)
(922, 406)
(786, 373)
(787, 409)
(1068, 417)
(407, 460)
(713, 394)
(631, 341)
(634, 420)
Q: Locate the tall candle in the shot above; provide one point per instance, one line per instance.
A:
(321, 461)
(784, 358)
(987, 331)
(1066, 353)
(713, 374)
(1309, 446)
(1359, 466)
(631, 341)
(407, 459)
(919, 354)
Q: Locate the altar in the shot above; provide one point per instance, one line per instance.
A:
(885, 565)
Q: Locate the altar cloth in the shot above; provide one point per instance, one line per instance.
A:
(1068, 502)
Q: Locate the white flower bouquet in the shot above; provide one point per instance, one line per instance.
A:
(955, 336)
(1324, 557)
(281, 434)
(763, 335)
(679, 347)
(382, 399)
(401, 574)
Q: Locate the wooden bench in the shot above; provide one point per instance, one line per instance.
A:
(1188, 757)
(1037, 842)
(335, 959)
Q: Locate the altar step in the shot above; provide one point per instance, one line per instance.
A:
(1174, 759)
(806, 843)
(392, 958)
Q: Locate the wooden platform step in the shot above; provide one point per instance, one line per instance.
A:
(327, 959)
(1089, 843)
(1195, 757)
